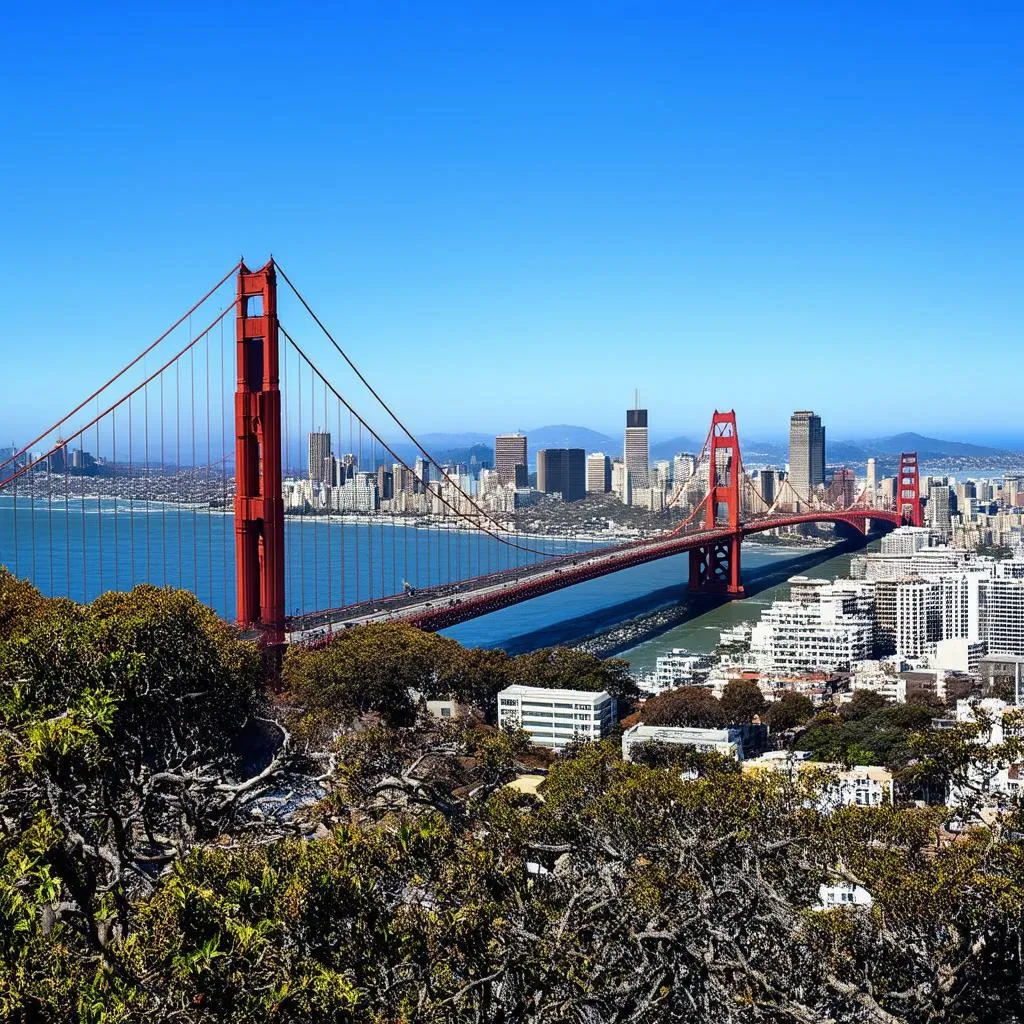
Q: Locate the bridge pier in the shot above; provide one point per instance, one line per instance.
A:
(715, 568)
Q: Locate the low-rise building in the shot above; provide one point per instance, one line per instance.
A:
(843, 894)
(859, 786)
(556, 717)
(1002, 675)
(728, 742)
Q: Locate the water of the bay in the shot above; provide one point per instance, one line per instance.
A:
(108, 545)
(83, 548)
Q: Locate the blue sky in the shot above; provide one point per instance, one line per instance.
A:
(514, 213)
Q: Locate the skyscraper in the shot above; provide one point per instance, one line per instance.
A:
(562, 471)
(421, 483)
(635, 450)
(806, 453)
(510, 459)
(599, 473)
(319, 449)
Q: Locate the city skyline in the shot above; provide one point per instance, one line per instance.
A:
(857, 222)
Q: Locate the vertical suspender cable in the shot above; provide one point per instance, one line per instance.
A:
(192, 469)
(330, 491)
(99, 505)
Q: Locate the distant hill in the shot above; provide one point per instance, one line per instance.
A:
(666, 449)
(465, 439)
(565, 435)
(925, 446)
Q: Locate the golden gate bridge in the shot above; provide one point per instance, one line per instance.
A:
(173, 472)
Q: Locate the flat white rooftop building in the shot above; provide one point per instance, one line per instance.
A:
(556, 718)
(723, 741)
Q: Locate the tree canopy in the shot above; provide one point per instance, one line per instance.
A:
(149, 872)
(687, 705)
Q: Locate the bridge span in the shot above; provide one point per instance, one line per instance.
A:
(443, 607)
(254, 436)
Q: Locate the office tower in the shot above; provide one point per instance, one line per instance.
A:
(938, 508)
(806, 453)
(562, 471)
(385, 483)
(421, 483)
(599, 473)
(844, 487)
(510, 459)
(1012, 487)
(768, 479)
(684, 465)
(635, 450)
(872, 479)
(401, 479)
(319, 449)
(331, 473)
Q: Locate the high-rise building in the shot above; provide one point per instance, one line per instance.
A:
(872, 482)
(385, 483)
(402, 479)
(684, 465)
(769, 483)
(621, 483)
(1013, 485)
(635, 450)
(806, 453)
(939, 518)
(562, 471)
(421, 483)
(319, 449)
(844, 487)
(599, 473)
(510, 459)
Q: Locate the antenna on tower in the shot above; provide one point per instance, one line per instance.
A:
(636, 398)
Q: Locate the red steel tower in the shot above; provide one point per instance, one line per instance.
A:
(908, 491)
(259, 506)
(715, 567)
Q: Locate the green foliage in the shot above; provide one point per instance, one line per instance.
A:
(372, 668)
(683, 757)
(368, 668)
(742, 701)
(688, 705)
(418, 888)
(867, 730)
(555, 667)
(791, 710)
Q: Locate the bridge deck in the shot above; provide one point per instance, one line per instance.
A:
(444, 606)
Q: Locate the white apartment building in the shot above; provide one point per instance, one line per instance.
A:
(1001, 615)
(825, 635)
(357, 494)
(678, 668)
(881, 677)
(555, 718)
(906, 540)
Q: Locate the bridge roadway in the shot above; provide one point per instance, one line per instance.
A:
(443, 606)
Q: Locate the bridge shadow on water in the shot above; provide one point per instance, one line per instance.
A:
(690, 606)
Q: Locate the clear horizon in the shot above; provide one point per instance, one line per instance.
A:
(516, 216)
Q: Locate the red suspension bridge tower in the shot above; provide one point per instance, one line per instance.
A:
(259, 505)
(909, 490)
(715, 566)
